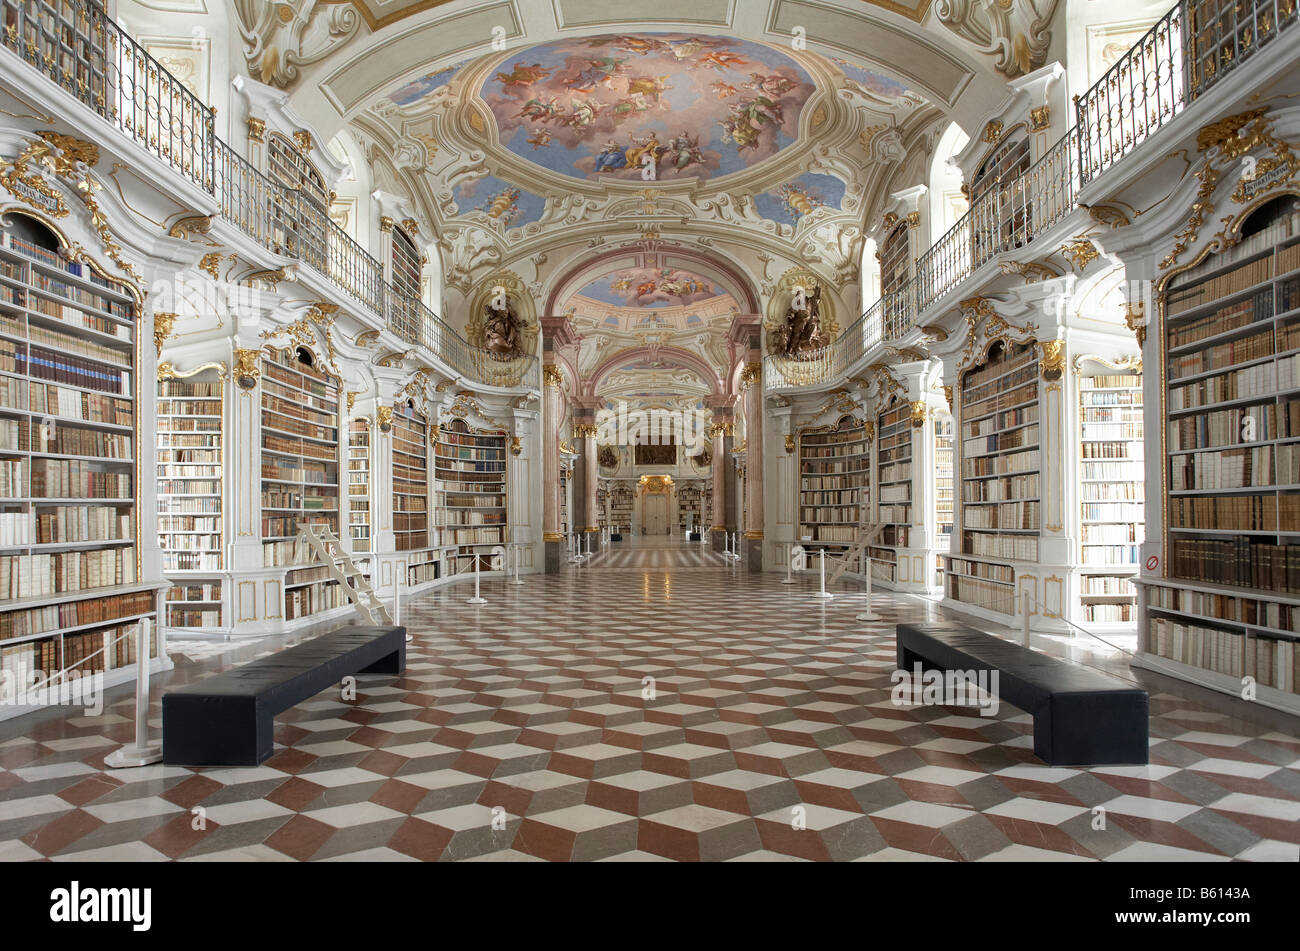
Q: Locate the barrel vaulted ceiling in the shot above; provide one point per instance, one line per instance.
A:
(518, 130)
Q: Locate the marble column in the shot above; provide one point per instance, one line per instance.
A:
(552, 418)
(559, 340)
(590, 483)
(751, 379)
(721, 433)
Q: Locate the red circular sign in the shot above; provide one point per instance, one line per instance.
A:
(1152, 563)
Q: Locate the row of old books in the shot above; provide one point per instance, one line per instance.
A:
(1241, 561)
(1248, 513)
(63, 479)
(1010, 547)
(56, 617)
(1237, 425)
(1259, 612)
(33, 576)
(83, 523)
(1236, 468)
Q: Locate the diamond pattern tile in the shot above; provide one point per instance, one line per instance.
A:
(526, 729)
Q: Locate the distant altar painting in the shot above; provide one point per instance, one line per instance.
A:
(657, 455)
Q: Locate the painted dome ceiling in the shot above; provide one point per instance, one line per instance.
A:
(603, 108)
(609, 105)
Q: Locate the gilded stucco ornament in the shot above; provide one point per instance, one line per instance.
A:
(1053, 358)
(162, 329)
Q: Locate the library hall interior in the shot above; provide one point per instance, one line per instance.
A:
(702, 431)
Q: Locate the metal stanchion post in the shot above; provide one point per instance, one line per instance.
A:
(516, 579)
(823, 593)
(869, 614)
(143, 752)
(477, 599)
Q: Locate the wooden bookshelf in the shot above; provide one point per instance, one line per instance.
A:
(943, 486)
(565, 483)
(1231, 403)
(834, 483)
(690, 506)
(622, 501)
(410, 479)
(69, 433)
(359, 524)
(301, 227)
(999, 460)
(300, 472)
(893, 486)
(1112, 515)
(190, 468)
(470, 469)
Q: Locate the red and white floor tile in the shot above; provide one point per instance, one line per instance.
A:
(520, 732)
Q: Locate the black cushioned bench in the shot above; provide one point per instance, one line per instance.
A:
(1082, 717)
(227, 719)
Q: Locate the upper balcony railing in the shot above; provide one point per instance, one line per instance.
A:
(1191, 49)
(1008, 216)
(76, 44)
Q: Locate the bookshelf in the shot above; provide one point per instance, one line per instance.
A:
(299, 225)
(943, 487)
(470, 468)
(359, 524)
(999, 466)
(690, 506)
(1224, 607)
(189, 472)
(410, 479)
(1111, 485)
(300, 472)
(69, 433)
(622, 501)
(893, 486)
(834, 483)
(565, 483)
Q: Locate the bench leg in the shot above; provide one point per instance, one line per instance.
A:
(1092, 731)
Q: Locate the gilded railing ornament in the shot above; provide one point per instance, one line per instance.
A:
(919, 412)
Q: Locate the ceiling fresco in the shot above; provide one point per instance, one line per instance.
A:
(800, 196)
(602, 106)
(651, 287)
(500, 201)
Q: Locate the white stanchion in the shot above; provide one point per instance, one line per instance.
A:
(142, 753)
(477, 599)
(792, 551)
(1024, 618)
(516, 579)
(869, 614)
(823, 593)
(399, 579)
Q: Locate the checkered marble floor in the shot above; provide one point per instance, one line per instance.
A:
(665, 705)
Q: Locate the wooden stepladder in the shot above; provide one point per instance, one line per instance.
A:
(326, 548)
(867, 533)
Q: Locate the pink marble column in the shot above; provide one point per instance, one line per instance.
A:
(752, 380)
(552, 419)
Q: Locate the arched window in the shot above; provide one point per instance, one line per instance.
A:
(869, 276)
(947, 201)
(304, 214)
